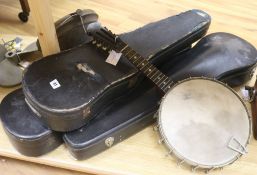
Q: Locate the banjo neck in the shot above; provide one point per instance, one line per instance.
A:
(104, 37)
(162, 81)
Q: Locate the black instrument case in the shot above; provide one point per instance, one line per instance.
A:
(31, 137)
(70, 29)
(70, 88)
(223, 56)
(25, 131)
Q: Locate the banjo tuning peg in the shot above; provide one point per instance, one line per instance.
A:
(104, 48)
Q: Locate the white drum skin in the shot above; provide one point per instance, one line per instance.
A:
(199, 117)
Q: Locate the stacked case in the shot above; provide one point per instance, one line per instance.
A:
(96, 105)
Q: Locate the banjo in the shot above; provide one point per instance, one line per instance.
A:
(201, 121)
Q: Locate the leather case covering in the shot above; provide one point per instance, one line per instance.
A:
(218, 55)
(84, 92)
(70, 31)
(224, 56)
(24, 129)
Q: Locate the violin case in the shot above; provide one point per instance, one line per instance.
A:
(222, 56)
(78, 83)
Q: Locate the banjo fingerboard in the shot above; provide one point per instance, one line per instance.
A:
(149, 70)
(103, 36)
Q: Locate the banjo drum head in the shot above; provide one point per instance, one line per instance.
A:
(204, 123)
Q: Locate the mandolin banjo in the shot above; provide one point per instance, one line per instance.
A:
(202, 121)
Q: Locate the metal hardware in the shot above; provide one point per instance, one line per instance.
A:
(242, 152)
(209, 170)
(24, 64)
(10, 54)
(160, 141)
(194, 168)
(169, 153)
(183, 159)
(252, 73)
(109, 141)
(248, 93)
(86, 112)
(155, 115)
(180, 162)
(156, 127)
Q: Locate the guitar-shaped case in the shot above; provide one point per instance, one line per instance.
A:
(70, 88)
(223, 56)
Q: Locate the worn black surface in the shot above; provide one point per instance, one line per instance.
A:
(219, 55)
(70, 31)
(25, 131)
(215, 56)
(82, 94)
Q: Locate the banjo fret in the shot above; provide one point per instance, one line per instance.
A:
(140, 61)
(150, 71)
(144, 65)
(160, 77)
(155, 73)
(134, 59)
(147, 69)
(133, 56)
(137, 59)
(163, 82)
(168, 85)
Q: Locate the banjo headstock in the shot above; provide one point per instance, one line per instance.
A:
(104, 38)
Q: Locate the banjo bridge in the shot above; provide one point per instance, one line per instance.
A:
(232, 146)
